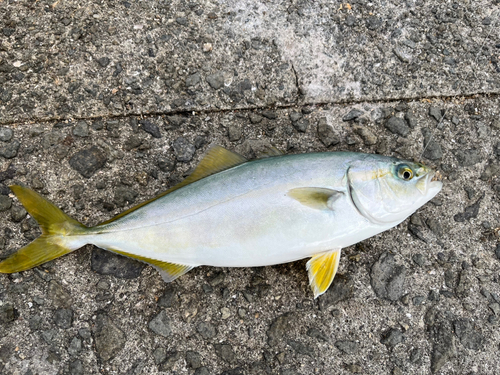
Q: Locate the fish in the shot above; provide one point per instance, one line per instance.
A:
(231, 212)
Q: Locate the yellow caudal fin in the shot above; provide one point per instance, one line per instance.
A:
(321, 270)
(55, 226)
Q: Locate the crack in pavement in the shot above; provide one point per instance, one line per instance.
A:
(257, 108)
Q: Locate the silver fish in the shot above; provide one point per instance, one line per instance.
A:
(231, 212)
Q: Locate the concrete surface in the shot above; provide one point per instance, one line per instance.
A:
(105, 104)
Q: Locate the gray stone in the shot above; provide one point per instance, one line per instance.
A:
(411, 120)
(317, 334)
(124, 196)
(295, 116)
(255, 118)
(7, 313)
(341, 289)
(166, 164)
(416, 356)
(193, 359)
(206, 329)
(103, 62)
(352, 115)
(216, 80)
(495, 308)
(5, 203)
(193, 79)
(470, 212)
(81, 129)
(133, 141)
(469, 335)
(392, 337)
(9, 151)
(202, 371)
(432, 149)
(150, 128)
(59, 296)
(439, 328)
(402, 55)
(63, 318)
(234, 133)
(6, 134)
(169, 297)
(109, 339)
(301, 348)
(183, 150)
(271, 115)
(347, 346)
(436, 113)
(387, 278)
(175, 121)
(434, 226)
(76, 367)
(279, 328)
(397, 126)
(84, 333)
(199, 141)
(369, 139)
(301, 125)
(75, 346)
(418, 300)
(225, 352)
(160, 324)
(88, 161)
(467, 158)
(326, 134)
(18, 213)
(35, 322)
(159, 355)
(107, 263)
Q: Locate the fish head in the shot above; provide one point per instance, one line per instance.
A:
(388, 190)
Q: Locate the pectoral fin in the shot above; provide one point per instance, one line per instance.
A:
(317, 198)
(321, 269)
(168, 271)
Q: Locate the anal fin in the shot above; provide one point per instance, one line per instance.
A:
(168, 271)
(321, 270)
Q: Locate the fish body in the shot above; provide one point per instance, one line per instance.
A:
(243, 217)
(268, 211)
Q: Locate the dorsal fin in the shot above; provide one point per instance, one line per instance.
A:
(217, 159)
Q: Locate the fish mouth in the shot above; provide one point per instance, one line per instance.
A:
(430, 183)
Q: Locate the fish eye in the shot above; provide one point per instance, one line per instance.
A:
(405, 172)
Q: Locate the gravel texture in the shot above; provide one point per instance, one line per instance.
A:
(106, 105)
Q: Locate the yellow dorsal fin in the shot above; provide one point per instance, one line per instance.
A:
(168, 271)
(217, 159)
(321, 269)
(314, 197)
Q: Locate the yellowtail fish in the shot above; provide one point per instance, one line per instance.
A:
(231, 212)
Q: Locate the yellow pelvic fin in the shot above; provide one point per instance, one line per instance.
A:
(168, 271)
(216, 159)
(321, 269)
(314, 197)
(55, 225)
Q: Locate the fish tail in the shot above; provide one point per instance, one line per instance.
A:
(61, 234)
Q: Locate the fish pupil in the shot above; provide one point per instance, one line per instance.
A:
(406, 175)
